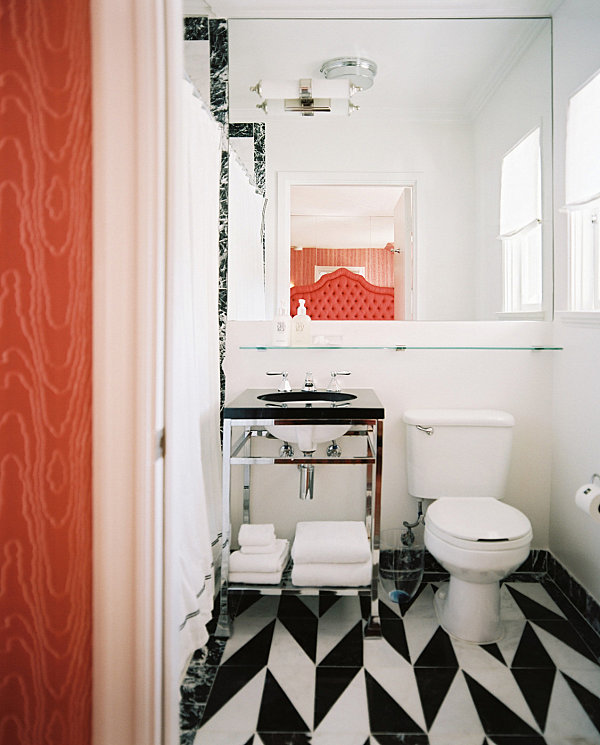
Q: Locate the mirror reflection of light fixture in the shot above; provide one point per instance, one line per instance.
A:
(359, 71)
(305, 97)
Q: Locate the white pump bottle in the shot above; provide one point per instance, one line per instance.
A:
(301, 327)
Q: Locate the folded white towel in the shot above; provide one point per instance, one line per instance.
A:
(256, 535)
(269, 548)
(256, 578)
(335, 542)
(332, 575)
(273, 562)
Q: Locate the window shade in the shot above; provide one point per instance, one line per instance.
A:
(582, 171)
(521, 186)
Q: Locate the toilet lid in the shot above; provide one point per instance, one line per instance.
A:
(477, 519)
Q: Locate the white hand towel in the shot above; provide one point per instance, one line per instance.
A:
(256, 535)
(273, 562)
(269, 548)
(256, 578)
(332, 575)
(331, 542)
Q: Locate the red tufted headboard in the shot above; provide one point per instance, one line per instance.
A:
(344, 296)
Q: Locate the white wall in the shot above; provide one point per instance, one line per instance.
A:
(574, 538)
(516, 381)
(440, 153)
(520, 104)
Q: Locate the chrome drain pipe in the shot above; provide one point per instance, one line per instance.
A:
(307, 479)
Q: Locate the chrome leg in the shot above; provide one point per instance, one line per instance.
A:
(373, 628)
(224, 623)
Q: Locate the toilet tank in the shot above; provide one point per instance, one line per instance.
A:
(457, 452)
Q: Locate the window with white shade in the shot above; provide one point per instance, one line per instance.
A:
(521, 226)
(582, 186)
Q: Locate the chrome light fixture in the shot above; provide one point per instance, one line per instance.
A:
(359, 71)
(305, 96)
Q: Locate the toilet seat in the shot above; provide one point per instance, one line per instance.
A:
(478, 523)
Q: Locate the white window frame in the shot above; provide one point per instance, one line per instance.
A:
(582, 187)
(522, 270)
(584, 256)
(522, 260)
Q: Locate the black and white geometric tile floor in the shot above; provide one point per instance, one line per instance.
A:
(297, 671)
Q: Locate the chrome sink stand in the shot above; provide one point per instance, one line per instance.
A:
(240, 454)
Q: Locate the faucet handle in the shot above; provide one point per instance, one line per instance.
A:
(334, 384)
(284, 383)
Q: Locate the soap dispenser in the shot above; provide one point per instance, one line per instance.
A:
(282, 327)
(301, 327)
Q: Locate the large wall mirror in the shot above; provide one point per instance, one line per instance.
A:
(458, 121)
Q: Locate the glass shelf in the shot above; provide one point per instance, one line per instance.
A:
(408, 347)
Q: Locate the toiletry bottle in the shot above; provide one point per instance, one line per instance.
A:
(301, 327)
(282, 327)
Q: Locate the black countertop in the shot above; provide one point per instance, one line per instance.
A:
(247, 405)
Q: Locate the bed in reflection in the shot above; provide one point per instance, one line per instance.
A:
(343, 295)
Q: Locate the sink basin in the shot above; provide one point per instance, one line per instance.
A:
(307, 397)
(307, 436)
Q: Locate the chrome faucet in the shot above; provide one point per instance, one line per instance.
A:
(309, 383)
(334, 384)
(284, 383)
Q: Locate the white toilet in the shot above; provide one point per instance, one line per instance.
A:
(460, 458)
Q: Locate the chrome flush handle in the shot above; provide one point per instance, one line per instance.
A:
(428, 430)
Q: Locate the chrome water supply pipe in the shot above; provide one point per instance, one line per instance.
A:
(409, 537)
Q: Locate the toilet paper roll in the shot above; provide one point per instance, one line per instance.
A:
(587, 498)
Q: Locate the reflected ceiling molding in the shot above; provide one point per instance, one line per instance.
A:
(382, 8)
(486, 90)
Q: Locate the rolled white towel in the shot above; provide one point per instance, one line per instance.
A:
(269, 548)
(254, 534)
(331, 542)
(256, 578)
(273, 562)
(332, 575)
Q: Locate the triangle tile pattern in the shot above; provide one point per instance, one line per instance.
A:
(331, 683)
(587, 699)
(536, 686)
(434, 684)
(277, 713)
(349, 651)
(385, 715)
(348, 717)
(496, 717)
(530, 652)
(297, 671)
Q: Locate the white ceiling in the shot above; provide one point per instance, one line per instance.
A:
(433, 69)
(344, 200)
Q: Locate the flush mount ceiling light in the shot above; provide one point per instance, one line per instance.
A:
(359, 71)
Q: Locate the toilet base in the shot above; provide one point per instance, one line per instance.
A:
(469, 611)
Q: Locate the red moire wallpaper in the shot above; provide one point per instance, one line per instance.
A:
(45, 372)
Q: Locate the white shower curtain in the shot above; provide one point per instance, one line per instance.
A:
(245, 271)
(193, 458)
